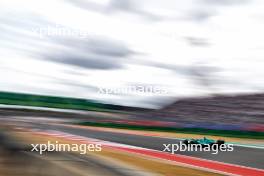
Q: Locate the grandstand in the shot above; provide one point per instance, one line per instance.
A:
(236, 112)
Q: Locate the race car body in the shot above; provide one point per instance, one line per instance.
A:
(204, 141)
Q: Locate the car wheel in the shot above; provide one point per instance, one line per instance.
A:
(219, 142)
(186, 142)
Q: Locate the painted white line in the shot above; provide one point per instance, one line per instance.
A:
(43, 108)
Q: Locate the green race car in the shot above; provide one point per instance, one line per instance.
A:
(204, 141)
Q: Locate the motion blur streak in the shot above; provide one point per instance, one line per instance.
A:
(132, 75)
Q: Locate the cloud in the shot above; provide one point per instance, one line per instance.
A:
(23, 35)
(18, 31)
(130, 6)
(109, 48)
(95, 45)
(196, 70)
(179, 69)
(200, 15)
(94, 53)
(196, 41)
(84, 61)
(77, 85)
(189, 21)
(205, 9)
(115, 6)
(224, 2)
(125, 5)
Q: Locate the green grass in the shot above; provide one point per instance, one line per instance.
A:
(224, 133)
(49, 105)
(9, 98)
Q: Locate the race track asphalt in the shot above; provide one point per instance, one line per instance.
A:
(244, 156)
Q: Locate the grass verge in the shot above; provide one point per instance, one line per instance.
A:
(201, 131)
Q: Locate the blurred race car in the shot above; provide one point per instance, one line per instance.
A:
(204, 141)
